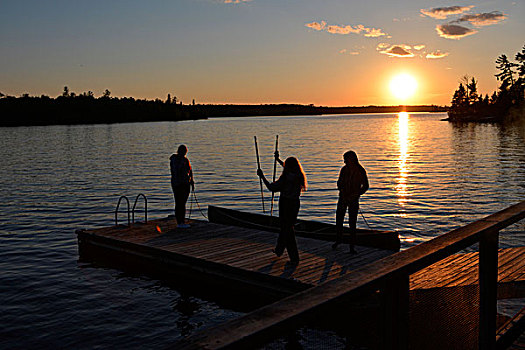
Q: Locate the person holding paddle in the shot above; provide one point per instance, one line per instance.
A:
(181, 180)
(352, 183)
(291, 184)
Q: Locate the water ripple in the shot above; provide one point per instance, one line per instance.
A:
(427, 177)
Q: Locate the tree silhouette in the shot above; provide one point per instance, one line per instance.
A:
(472, 89)
(506, 74)
(520, 57)
(460, 97)
(465, 81)
(468, 104)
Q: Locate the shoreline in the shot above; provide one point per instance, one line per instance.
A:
(29, 111)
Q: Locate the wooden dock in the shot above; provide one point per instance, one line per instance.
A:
(241, 260)
(228, 253)
(235, 252)
(469, 320)
(461, 271)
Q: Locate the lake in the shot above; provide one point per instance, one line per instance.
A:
(427, 177)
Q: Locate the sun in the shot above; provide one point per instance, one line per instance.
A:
(403, 86)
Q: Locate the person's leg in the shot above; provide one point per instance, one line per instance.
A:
(291, 242)
(353, 210)
(176, 197)
(181, 197)
(339, 220)
(281, 240)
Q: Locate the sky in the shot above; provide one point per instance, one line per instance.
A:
(322, 52)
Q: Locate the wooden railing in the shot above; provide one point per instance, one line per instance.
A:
(389, 275)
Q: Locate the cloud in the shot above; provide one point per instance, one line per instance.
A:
(443, 12)
(398, 51)
(235, 1)
(374, 32)
(436, 54)
(345, 51)
(454, 31)
(419, 47)
(335, 29)
(316, 25)
(482, 19)
(382, 46)
(347, 29)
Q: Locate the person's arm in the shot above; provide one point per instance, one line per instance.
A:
(365, 185)
(274, 186)
(192, 183)
(263, 178)
(171, 165)
(276, 156)
(340, 180)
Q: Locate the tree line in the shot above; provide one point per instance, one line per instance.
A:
(85, 108)
(70, 108)
(505, 103)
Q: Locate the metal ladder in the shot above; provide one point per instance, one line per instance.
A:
(132, 212)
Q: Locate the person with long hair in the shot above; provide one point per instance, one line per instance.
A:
(181, 180)
(352, 183)
(291, 184)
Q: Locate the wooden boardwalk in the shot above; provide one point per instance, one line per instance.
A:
(461, 270)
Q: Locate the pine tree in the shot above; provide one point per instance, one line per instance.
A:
(506, 74)
(460, 97)
(520, 57)
(472, 89)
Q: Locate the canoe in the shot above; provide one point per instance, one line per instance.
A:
(304, 228)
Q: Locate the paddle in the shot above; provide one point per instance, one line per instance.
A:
(259, 167)
(274, 169)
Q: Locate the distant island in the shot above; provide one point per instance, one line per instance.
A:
(507, 104)
(70, 108)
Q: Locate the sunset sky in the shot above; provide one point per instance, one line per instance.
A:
(325, 52)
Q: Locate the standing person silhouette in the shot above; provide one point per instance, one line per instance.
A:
(181, 180)
(291, 183)
(352, 183)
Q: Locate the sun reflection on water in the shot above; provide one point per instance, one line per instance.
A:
(401, 187)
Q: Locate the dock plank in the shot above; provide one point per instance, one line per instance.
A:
(462, 270)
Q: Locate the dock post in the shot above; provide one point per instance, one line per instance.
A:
(488, 288)
(395, 305)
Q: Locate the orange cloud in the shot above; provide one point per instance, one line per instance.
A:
(335, 29)
(436, 54)
(345, 51)
(316, 25)
(347, 29)
(374, 32)
(443, 12)
(483, 19)
(454, 31)
(398, 51)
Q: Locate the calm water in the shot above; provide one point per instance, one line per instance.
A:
(426, 176)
